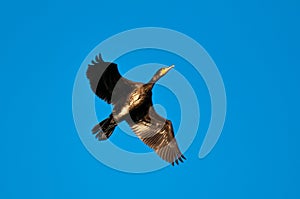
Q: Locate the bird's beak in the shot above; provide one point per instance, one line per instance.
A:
(169, 68)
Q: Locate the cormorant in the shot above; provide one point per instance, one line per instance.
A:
(132, 103)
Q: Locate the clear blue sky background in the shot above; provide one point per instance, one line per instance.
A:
(255, 45)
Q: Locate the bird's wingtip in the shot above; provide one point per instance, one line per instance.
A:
(98, 58)
(181, 158)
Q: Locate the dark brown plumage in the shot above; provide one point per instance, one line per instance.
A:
(132, 103)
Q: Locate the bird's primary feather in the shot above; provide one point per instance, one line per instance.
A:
(158, 133)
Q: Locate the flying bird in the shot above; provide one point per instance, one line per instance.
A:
(132, 102)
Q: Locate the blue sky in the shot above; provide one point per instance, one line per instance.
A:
(255, 46)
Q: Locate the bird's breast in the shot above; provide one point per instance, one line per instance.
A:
(138, 97)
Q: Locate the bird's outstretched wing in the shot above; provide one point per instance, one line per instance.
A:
(157, 132)
(104, 78)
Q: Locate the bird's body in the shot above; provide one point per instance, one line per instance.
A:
(132, 103)
(136, 101)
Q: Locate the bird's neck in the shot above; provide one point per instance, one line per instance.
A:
(148, 87)
(154, 79)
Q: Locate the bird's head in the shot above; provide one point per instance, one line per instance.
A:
(161, 72)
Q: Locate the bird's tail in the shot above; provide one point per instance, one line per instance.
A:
(104, 129)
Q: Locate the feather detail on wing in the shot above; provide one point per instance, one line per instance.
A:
(158, 133)
(105, 80)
